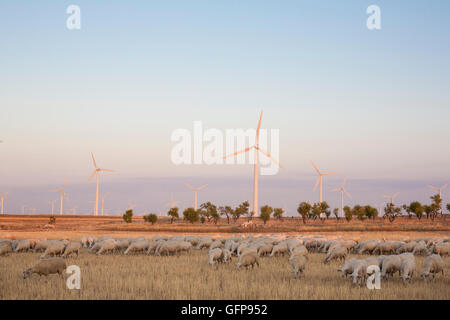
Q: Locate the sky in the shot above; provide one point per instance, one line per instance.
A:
(371, 104)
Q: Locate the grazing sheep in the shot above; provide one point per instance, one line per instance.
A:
(152, 246)
(300, 250)
(391, 265)
(367, 246)
(226, 256)
(84, 242)
(168, 248)
(407, 269)
(442, 249)
(264, 250)
(95, 247)
(54, 249)
(216, 244)
(359, 274)
(46, 267)
(42, 245)
(5, 248)
(108, 245)
(298, 263)
(137, 246)
(249, 249)
(420, 249)
(433, 264)
(72, 247)
(348, 267)
(406, 247)
(204, 243)
(122, 244)
(247, 260)
(192, 239)
(338, 253)
(22, 245)
(184, 246)
(280, 248)
(214, 256)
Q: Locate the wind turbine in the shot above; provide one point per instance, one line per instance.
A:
(2, 199)
(23, 208)
(63, 195)
(440, 191)
(74, 210)
(97, 173)
(131, 205)
(320, 178)
(172, 203)
(196, 190)
(391, 197)
(342, 190)
(103, 200)
(256, 148)
(53, 205)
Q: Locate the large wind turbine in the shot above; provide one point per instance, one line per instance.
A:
(440, 191)
(2, 199)
(196, 190)
(97, 173)
(63, 195)
(256, 148)
(319, 179)
(103, 200)
(392, 197)
(342, 190)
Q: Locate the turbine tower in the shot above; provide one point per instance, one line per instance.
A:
(172, 203)
(63, 195)
(53, 205)
(2, 199)
(392, 197)
(319, 179)
(256, 148)
(342, 190)
(440, 192)
(196, 190)
(96, 172)
(103, 201)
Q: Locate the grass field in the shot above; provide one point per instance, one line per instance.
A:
(189, 276)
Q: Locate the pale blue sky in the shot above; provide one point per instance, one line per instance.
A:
(373, 105)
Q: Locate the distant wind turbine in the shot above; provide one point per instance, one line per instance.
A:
(440, 191)
(196, 190)
(53, 205)
(392, 197)
(172, 203)
(103, 201)
(319, 179)
(96, 172)
(342, 190)
(63, 195)
(131, 205)
(256, 148)
(23, 208)
(2, 199)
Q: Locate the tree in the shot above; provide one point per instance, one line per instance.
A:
(266, 211)
(448, 207)
(427, 209)
(391, 212)
(324, 209)
(348, 213)
(52, 220)
(415, 208)
(208, 209)
(370, 212)
(336, 213)
(316, 210)
(359, 212)
(278, 213)
(173, 214)
(408, 210)
(435, 206)
(304, 209)
(128, 216)
(215, 216)
(241, 210)
(191, 215)
(226, 211)
(151, 218)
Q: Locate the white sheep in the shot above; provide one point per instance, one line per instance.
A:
(214, 256)
(391, 264)
(108, 245)
(338, 253)
(55, 248)
(204, 243)
(433, 264)
(46, 267)
(216, 244)
(42, 245)
(167, 248)
(137, 246)
(298, 263)
(264, 250)
(5, 248)
(22, 245)
(247, 260)
(359, 274)
(442, 249)
(420, 249)
(72, 247)
(348, 267)
(280, 248)
(407, 269)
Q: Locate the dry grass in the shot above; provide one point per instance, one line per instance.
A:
(190, 277)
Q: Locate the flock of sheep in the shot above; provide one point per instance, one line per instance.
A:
(389, 256)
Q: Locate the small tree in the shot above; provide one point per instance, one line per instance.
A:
(415, 208)
(242, 210)
(278, 213)
(324, 209)
(173, 214)
(128, 216)
(408, 210)
(448, 207)
(52, 220)
(191, 215)
(316, 210)
(436, 206)
(391, 212)
(370, 212)
(304, 209)
(266, 211)
(336, 213)
(151, 218)
(226, 211)
(358, 212)
(427, 209)
(215, 216)
(208, 210)
(348, 213)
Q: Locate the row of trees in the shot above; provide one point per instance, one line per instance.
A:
(209, 212)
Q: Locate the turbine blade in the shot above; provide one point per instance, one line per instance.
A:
(315, 167)
(343, 182)
(444, 186)
(348, 194)
(434, 188)
(93, 160)
(108, 170)
(189, 186)
(54, 190)
(328, 173)
(334, 190)
(95, 171)
(238, 152)
(317, 183)
(270, 157)
(395, 194)
(202, 187)
(259, 127)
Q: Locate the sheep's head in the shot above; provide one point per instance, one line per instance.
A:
(27, 273)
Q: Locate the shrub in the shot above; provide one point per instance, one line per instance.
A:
(128, 216)
(278, 213)
(266, 211)
(151, 218)
(52, 220)
(173, 213)
(191, 215)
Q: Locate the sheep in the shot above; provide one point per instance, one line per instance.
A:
(214, 256)
(280, 248)
(168, 247)
(407, 269)
(72, 247)
(184, 246)
(241, 248)
(293, 243)
(204, 243)
(348, 267)
(95, 247)
(442, 249)
(249, 249)
(247, 260)
(122, 244)
(216, 244)
(152, 246)
(108, 245)
(338, 253)
(367, 246)
(84, 242)
(298, 263)
(359, 274)
(391, 265)
(5, 248)
(22, 245)
(42, 245)
(406, 247)
(46, 267)
(192, 239)
(226, 256)
(433, 264)
(54, 249)
(264, 250)
(137, 246)
(371, 261)
(300, 250)
(420, 249)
